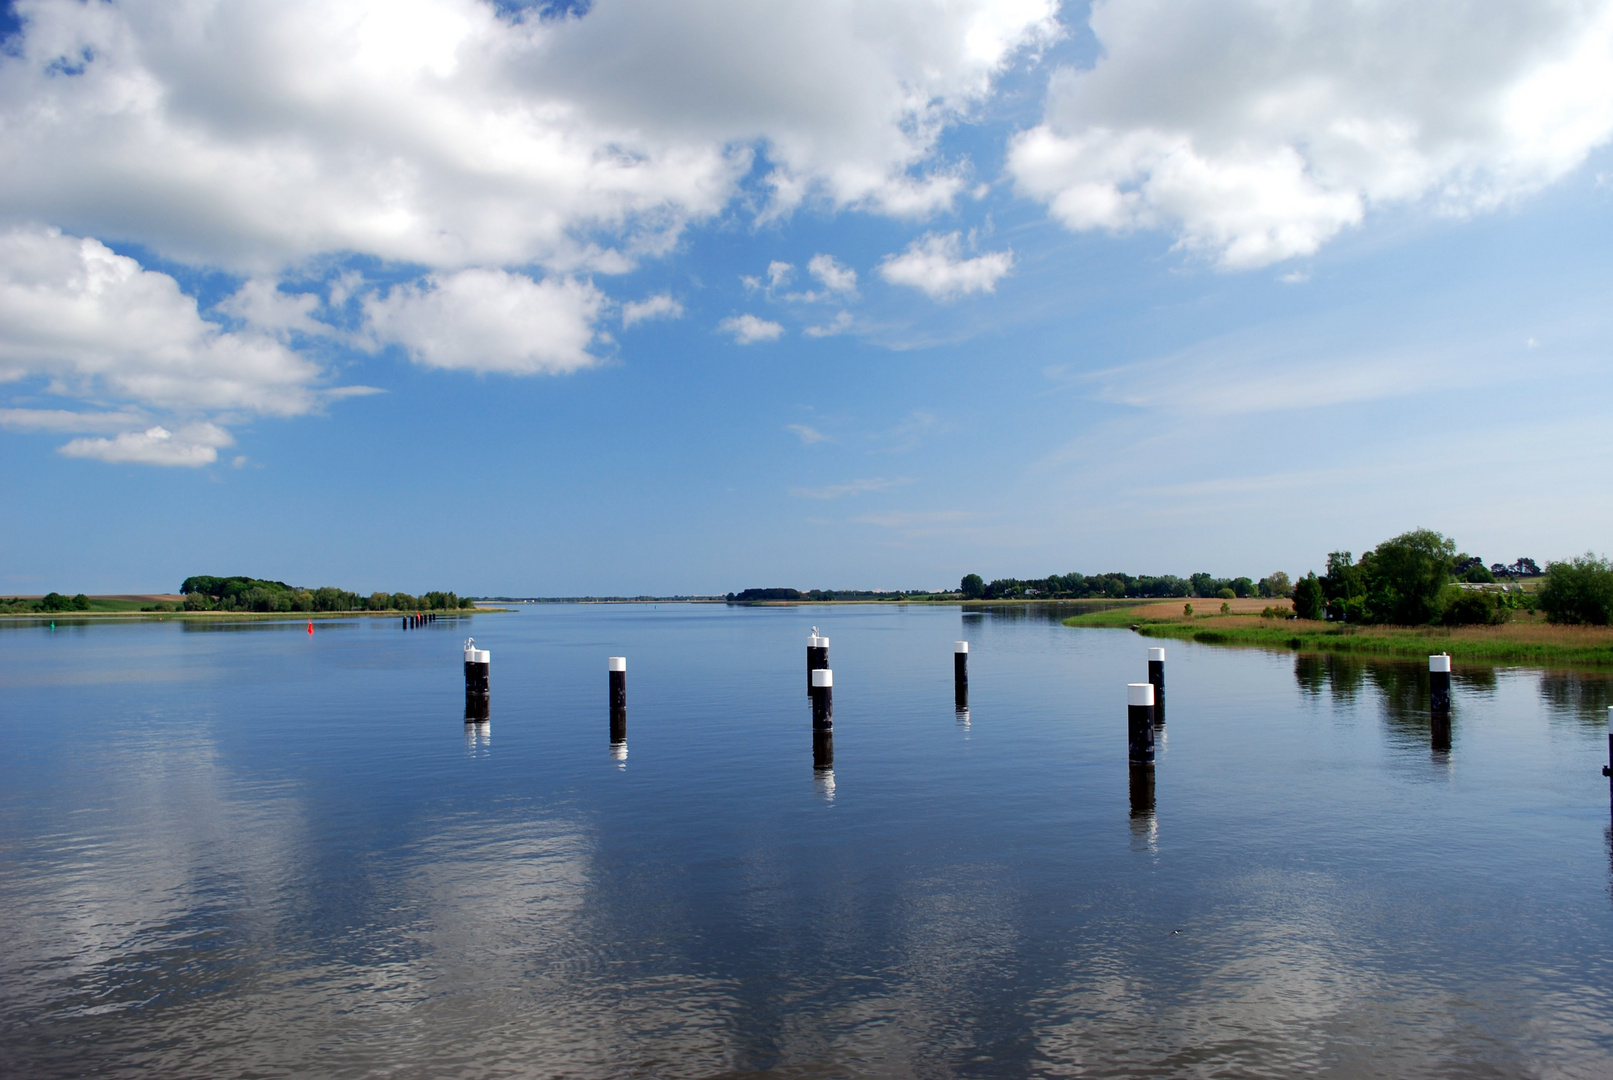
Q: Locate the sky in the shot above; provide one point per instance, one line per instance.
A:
(624, 297)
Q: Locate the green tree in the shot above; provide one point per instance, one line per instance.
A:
(1242, 586)
(1578, 590)
(1275, 585)
(973, 587)
(1472, 607)
(81, 602)
(1309, 601)
(1405, 576)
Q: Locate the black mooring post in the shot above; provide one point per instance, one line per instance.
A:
(618, 726)
(817, 656)
(478, 666)
(1439, 701)
(960, 674)
(823, 750)
(1156, 679)
(618, 682)
(1607, 770)
(1140, 722)
(823, 707)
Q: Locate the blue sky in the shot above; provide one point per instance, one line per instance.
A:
(691, 298)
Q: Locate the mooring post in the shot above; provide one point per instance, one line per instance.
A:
(1607, 770)
(478, 663)
(823, 706)
(1439, 701)
(618, 682)
(817, 656)
(1142, 789)
(1156, 678)
(960, 674)
(823, 749)
(1140, 722)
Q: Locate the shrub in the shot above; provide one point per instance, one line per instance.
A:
(1225, 594)
(1473, 607)
(1187, 611)
(1579, 590)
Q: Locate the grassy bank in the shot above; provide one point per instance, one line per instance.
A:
(1524, 641)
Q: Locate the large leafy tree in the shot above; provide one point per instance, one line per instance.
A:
(1405, 576)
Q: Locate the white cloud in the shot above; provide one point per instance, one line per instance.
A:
(933, 265)
(807, 435)
(261, 133)
(261, 305)
(1256, 131)
(855, 487)
(65, 420)
(659, 306)
(96, 324)
(835, 277)
(192, 446)
(490, 320)
(838, 325)
(748, 329)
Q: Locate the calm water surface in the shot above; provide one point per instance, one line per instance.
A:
(248, 851)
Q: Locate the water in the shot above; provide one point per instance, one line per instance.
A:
(245, 851)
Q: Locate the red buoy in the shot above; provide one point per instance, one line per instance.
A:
(310, 626)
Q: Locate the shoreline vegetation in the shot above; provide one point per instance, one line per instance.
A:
(238, 598)
(1526, 639)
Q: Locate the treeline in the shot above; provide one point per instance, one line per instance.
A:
(50, 603)
(204, 593)
(1417, 579)
(753, 595)
(1118, 585)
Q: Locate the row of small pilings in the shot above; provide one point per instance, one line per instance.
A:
(1145, 703)
(419, 619)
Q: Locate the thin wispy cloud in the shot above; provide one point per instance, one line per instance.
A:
(808, 435)
(854, 487)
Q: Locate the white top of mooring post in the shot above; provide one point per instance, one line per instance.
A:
(1140, 693)
(618, 663)
(1156, 654)
(823, 678)
(960, 646)
(1442, 662)
(473, 655)
(816, 642)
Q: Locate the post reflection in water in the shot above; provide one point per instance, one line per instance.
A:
(618, 736)
(478, 736)
(823, 763)
(478, 708)
(1143, 821)
(962, 716)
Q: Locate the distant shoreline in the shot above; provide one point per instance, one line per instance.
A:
(236, 616)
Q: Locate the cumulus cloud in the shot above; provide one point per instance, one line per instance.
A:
(748, 329)
(260, 133)
(490, 320)
(97, 324)
(807, 435)
(263, 306)
(659, 306)
(833, 275)
(1256, 131)
(934, 264)
(192, 446)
